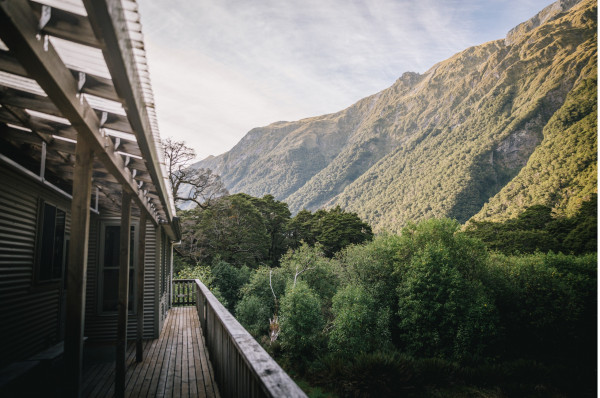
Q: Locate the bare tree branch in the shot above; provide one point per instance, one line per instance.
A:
(200, 186)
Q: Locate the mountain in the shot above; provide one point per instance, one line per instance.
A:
(492, 130)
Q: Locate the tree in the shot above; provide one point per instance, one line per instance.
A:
(200, 186)
(301, 322)
(334, 229)
(360, 325)
(231, 228)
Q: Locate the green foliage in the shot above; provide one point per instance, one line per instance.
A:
(359, 325)
(260, 284)
(229, 280)
(335, 229)
(203, 273)
(467, 255)
(371, 266)
(442, 313)
(547, 305)
(301, 322)
(537, 230)
(254, 314)
(312, 267)
(244, 230)
(231, 228)
(369, 374)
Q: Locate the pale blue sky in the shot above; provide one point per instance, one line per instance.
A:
(220, 68)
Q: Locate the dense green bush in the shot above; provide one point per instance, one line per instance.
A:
(547, 305)
(229, 280)
(301, 323)
(441, 312)
(359, 325)
(311, 266)
(536, 229)
(254, 314)
(371, 266)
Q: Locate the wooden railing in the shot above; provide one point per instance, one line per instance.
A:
(242, 367)
(184, 292)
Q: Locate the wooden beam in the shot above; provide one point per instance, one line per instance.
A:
(94, 85)
(24, 118)
(26, 100)
(121, 365)
(40, 124)
(67, 25)
(77, 272)
(139, 350)
(108, 21)
(18, 29)
(25, 137)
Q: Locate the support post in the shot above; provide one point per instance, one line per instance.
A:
(77, 271)
(121, 365)
(139, 350)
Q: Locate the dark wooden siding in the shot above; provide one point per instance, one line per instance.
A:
(29, 311)
(103, 327)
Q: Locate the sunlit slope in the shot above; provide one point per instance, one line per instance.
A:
(446, 142)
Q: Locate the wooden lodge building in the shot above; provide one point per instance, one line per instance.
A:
(81, 162)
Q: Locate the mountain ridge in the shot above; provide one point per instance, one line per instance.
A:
(442, 143)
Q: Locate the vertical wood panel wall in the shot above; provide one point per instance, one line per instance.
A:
(29, 311)
(103, 327)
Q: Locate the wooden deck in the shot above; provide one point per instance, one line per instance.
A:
(175, 365)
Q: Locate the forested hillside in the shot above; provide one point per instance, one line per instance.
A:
(487, 133)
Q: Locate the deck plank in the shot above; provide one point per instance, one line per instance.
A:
(175, 365)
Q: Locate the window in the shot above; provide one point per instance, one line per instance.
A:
(51, 243)
(109, 267)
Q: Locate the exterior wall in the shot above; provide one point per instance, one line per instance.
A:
(29, 311)
(103, 327)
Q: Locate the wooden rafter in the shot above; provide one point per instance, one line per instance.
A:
(94, 85)
(18, 29)
(109, 23)
(43, 104)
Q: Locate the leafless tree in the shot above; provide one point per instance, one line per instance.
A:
(274, 327)
(200, 186)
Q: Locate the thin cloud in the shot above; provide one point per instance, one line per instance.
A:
(221, 68)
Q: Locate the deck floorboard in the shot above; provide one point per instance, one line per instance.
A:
(175, 365)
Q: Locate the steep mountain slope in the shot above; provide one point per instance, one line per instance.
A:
(445, 142)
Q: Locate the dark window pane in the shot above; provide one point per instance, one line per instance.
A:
(111, 246)
(111, 268)
(110, 290)
(47, 242)
(131, 285)
(59, 244)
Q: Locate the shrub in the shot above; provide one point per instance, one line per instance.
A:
(253, 313)
(320, 274)
(301, 322)
(359, 324)
(373, 374)
(229, 280)
(442, 313)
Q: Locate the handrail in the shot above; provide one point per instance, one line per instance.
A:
(184, 292)
(242, 367)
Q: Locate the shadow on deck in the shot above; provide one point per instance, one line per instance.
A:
(175, 365)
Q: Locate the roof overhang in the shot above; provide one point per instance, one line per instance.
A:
(72, 69)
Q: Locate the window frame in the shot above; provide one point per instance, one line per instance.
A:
(52, 281)
(100, 271)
